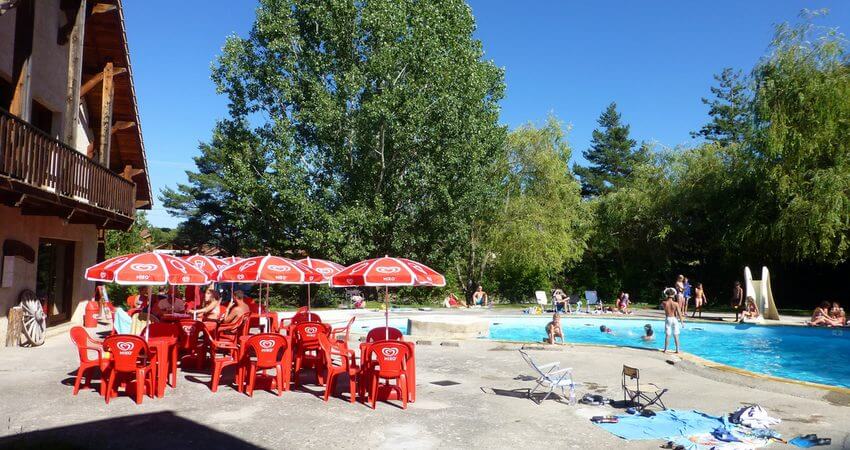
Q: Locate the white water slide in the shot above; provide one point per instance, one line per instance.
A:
(761, 292)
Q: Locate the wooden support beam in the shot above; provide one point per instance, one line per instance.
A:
(92, 82)
(106, 115)
(75, 70)
(100, 8)
(130, 172)
(142, 203)
(122, 125)
(22, 59)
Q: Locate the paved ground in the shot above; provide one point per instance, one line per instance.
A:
(486, 408)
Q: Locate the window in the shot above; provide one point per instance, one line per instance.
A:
(42, 117)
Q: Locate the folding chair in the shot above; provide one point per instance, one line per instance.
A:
(542, 301)
(550, 376)
(640, 399)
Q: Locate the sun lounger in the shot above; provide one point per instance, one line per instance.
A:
(550, 376)
(591, 298)
(637, 397)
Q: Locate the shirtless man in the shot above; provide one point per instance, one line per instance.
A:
(235, 312)
(553, 329)
(673, 319)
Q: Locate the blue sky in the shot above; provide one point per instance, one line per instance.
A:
(655, 59)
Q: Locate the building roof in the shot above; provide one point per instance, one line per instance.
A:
(106, 41)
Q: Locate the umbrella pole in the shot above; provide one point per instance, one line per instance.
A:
(308, 297)
(148, 326)
(387, 312)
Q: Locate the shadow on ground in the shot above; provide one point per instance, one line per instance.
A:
(154, 430)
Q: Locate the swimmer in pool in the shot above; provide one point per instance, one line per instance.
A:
(650, 335)
(604, 329)
(553, 329)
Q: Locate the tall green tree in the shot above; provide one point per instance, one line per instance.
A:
(539, 229)
(801, 152)
(374, 129)
(729, 110)
(612, 155)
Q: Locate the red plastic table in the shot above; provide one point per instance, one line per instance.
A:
(166, 351)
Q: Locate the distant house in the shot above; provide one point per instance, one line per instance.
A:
(72, 159)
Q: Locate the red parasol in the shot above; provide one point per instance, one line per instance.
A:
(327, 268)
(388, 272)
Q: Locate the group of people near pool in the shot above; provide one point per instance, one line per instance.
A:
(828, 314)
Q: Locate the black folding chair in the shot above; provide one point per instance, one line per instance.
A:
(635, 396)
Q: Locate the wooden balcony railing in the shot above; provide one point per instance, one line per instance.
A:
(31, 157)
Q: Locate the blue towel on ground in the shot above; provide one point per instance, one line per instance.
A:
(801, 442)
(663, 425)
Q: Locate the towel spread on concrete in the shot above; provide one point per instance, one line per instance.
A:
(663, 425)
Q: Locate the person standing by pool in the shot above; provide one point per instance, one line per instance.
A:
(699, 299)
(673, 319)
(553, 329)
(737, 300)
(688, 293)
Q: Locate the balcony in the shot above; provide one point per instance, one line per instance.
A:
(45, 177)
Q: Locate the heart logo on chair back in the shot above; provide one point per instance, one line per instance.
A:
(266, 344)
(187, 329)
(311, 330)
(390, 353)
(125, 347)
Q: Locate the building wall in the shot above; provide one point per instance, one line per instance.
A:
(29, 229)
(49, 61)
(7, 35)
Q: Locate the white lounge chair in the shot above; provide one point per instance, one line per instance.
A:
(551, 376)
(542, 300)
(591, 298)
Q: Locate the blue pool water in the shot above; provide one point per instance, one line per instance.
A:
(818, 355)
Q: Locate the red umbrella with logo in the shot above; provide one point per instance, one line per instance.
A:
(147, 269)
(388, 272)
(327, 268)
(269, 270)
(207, 264)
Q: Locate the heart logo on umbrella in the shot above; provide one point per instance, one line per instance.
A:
(279, 268)
(311, 330)
(125, 346)
(200, 263)
(143, 267)
(267, 343)
(387, 269)
(390, 352)
(186, 279)
(116, 262)
(177, 265)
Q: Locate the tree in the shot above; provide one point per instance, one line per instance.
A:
(539, 229)
(729, 110)
(611, 155)
(375, 131)
(119, 243)
(800, 151)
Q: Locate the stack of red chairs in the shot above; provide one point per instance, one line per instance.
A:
(307, 353)
(401, 368)
(192, 344)
(339, 359)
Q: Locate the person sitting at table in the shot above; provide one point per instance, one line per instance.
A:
(252, 305)
(235, 311)
(168, 305)
(140, 300)
(210, 310)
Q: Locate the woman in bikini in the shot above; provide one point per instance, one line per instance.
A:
(821, 317)
(211, 310)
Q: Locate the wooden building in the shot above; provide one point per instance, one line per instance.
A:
(72, 159)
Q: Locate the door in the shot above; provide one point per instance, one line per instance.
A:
(55, 278)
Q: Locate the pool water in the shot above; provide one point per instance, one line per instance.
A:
(818, 355)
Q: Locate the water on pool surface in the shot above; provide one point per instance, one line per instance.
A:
(818, 355)
(810, 354)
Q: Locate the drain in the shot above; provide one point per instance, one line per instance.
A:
(445, 383)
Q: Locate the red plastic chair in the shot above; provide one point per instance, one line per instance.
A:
(339, 359)
(233, 330)
(389, 363)
(158, 329)
(346, 330)
(191, 344)
(129, 359)
(262, 352)
(380, 334)
(306, 349)
(86, 344)
(222, 354)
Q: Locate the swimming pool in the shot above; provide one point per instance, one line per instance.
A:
(818, 355)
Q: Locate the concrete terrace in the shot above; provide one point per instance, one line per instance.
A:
(482, 403)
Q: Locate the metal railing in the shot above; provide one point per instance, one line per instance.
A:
(30, 156)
